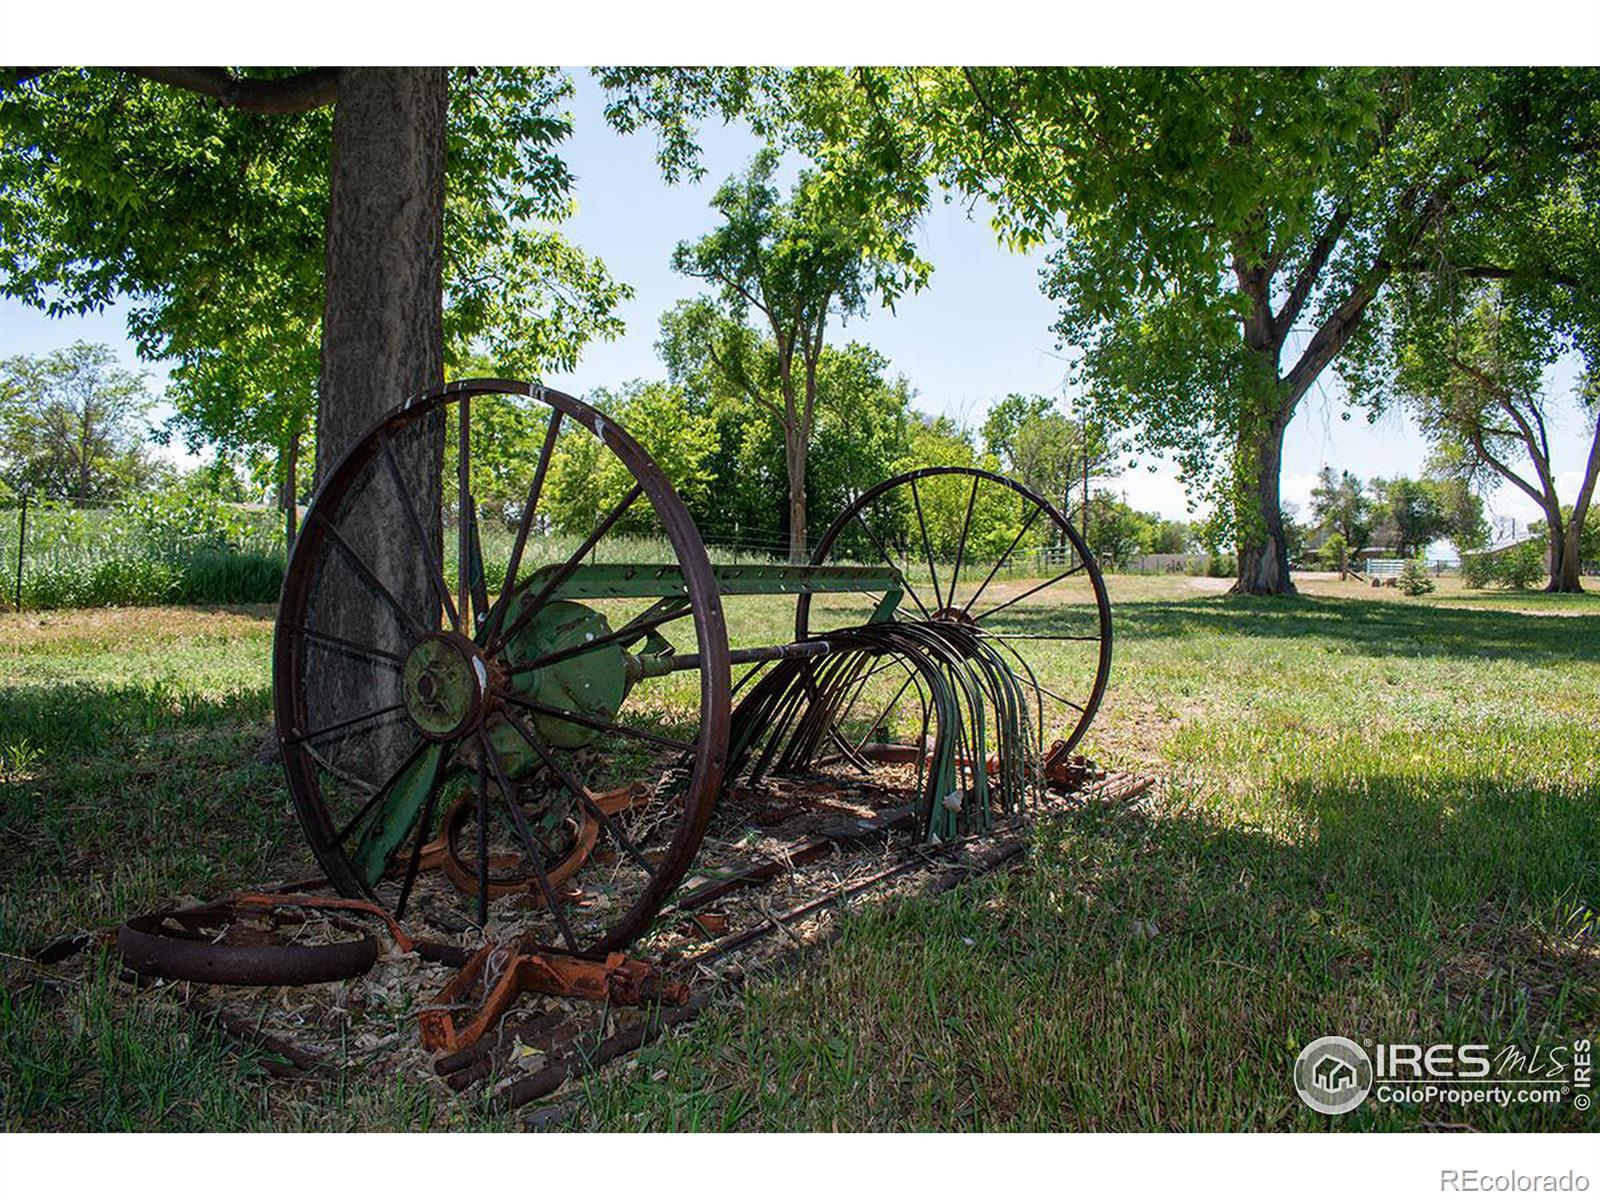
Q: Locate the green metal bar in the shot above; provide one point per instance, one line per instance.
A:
(599, 581)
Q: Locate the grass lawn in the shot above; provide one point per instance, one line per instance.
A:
(1381, 818)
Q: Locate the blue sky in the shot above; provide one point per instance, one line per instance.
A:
(981, 330)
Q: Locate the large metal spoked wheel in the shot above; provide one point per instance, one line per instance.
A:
(985, 553)
(442, 679)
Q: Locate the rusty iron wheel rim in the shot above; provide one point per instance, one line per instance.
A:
(855, 512)
(149, 949)
(706, 751)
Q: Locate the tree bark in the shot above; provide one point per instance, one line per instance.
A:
(1262, 549)
(382, 342)
(1564, 565)
(382, 328)
(794, 455)
(289, 495)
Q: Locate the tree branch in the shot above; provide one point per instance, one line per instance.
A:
(292, 94)
(744, 384)
(1300, 292)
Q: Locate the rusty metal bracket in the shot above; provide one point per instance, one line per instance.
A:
(500, 972)
(1067, 772)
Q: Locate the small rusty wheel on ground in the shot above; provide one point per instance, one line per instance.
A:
(438, 647)
(987, 556)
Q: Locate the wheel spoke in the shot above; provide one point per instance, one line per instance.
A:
(910, 591)
(632, 631)
(580, 793)
(1041, 587)
(524, 527)
(295, 738)
(422, 836)
(483, 848)
(357, 648)
(1039, 637)
(534, 847)
(435, 569)
(362, 569)
(916, 499)
(463, 506)
(961, 546)
(411, 760)
(573, 718)
(1001, 561)
(568, 567)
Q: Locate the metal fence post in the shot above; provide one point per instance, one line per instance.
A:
(22, 544)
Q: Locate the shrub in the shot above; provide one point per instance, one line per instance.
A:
(1521, 566)
(1477, 570)
(1414, 577)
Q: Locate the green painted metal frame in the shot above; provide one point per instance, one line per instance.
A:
(603, 581)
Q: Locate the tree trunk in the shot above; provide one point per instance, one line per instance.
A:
(382, 341)
(382, 329)
(794, 455)
(289, 490)
(1564, 564)
(1263, 552)
(1566, 570)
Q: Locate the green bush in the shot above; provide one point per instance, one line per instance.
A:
(1477, 570)
(1414, 577)
(1518, 567)
(1521, 566)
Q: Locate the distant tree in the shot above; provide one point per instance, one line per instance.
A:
(1340, 506)
(72, 424)
(1410, 509)
(1460, 507)
(1473, 379)
(1206, 219)
(792, 265)
(680, 438)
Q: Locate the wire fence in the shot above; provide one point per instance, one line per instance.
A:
(197, 549)
(148, 549)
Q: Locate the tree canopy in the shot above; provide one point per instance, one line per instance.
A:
(212, 221)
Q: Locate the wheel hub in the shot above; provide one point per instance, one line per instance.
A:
(445, 682)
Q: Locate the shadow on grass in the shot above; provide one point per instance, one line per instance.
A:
(1372, 627)
(118, 797)
(1161, 970)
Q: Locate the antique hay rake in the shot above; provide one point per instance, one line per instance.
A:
(552, 735)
